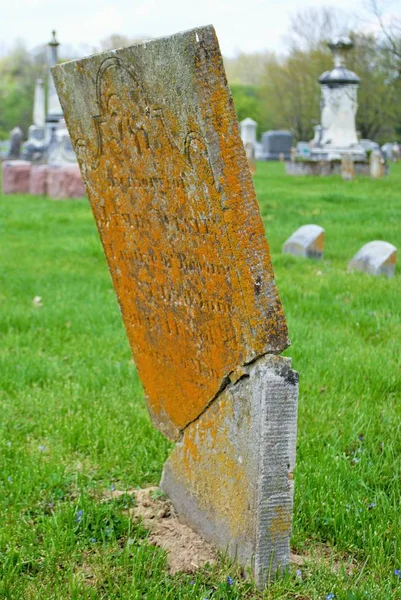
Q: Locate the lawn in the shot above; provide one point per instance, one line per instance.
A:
(74, 422)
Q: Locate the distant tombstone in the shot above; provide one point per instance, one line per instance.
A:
(167, 177)
(281, 157)
(396, 152)
(16, 176)
(293, 154)
(248, 131)
(250, 154)
(347, 167)
(307, 241)
(376, 164)
(375, 258)
(277, 142)
(61, 151)
(387, 151)
(36, 146)
(15, 144)
(38, 180)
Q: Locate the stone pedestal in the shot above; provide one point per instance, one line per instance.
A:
(65, 182)
(16, 177)
(38, 180)
(230, 477)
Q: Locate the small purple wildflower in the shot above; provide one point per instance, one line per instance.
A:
(330, 596)
(230, 581)
(371, 505)
(112, 487)
(298, 574)
(397, 573)
(78, 518)
(10, 479)
(92, 540)
(192, 582)
(42, 448)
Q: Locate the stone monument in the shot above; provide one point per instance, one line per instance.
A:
(158, 143)
(337, 134)
(35, 148)
(248, 135)
(375, 258)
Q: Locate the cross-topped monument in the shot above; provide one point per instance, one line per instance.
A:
(158, 143)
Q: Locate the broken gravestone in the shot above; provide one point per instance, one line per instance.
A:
(306, 241)
(375, 258)
(157, 140)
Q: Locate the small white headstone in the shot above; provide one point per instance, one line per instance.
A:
(307, 241)
(376, 258)
(376, 164)
(248, 131)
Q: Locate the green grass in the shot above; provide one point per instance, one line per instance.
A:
(74, 421)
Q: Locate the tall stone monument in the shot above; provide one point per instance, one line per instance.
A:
(158, 144)
(35, 148)
(337, 134)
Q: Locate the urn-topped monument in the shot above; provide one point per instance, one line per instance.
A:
(337, 134)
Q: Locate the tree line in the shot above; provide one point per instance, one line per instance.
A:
(279, 91)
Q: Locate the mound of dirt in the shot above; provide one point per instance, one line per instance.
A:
(186, 550)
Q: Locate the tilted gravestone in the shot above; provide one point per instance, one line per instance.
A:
(375, 258)
(307, 241)
(158, 144)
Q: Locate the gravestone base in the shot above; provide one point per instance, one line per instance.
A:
(38, 180)
(65, 182)
(322, 168)
(16, 176)
(230, 477)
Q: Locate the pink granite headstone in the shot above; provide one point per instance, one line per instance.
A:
(65, 182)
(16, 176)
(38, 180)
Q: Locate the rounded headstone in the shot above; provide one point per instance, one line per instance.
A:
(375, 258)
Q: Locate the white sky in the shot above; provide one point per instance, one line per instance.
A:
(241, 25)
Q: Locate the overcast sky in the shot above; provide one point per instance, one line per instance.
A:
(241, 25)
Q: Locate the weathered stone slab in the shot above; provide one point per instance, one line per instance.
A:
(157, 140)
(306, 241)
(16, 177)
(64, 181)
(347, 167)
(376, 258)
(230, 478)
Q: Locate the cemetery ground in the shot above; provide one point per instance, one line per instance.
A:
(74, 425)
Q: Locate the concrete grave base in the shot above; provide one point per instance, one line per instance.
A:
(230, 476)
(38, 180)
(322, 168)
(16, 176)
(65, 182)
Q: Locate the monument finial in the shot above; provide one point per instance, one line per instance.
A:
(339, 48)
(53, 41)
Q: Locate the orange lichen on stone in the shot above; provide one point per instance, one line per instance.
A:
(157, 140)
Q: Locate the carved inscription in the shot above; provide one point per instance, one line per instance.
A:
(181, 232)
